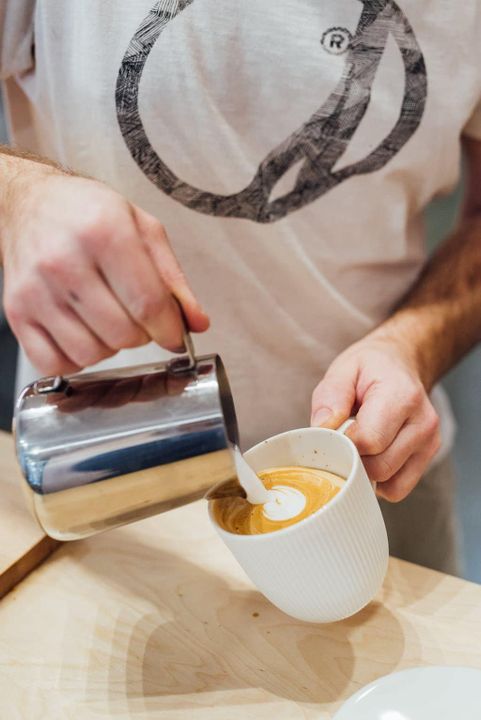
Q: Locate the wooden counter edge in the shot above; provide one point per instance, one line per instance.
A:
(24, 544)
(26, 564)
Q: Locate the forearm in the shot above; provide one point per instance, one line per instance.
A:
(439, 320)
(19, 170)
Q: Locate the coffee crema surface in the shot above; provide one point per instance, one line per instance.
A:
(294, 494)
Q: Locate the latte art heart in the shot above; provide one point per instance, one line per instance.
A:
(293, 493)
(283, 503)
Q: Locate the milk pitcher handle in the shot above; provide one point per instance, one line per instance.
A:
(190, 362)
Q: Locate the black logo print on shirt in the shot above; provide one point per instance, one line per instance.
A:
(317, 145)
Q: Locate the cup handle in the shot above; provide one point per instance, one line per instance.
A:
(342, 429)
(346, 425)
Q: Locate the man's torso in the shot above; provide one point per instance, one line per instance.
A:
(288, 147)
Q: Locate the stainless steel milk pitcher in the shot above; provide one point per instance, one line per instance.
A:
(103, 449)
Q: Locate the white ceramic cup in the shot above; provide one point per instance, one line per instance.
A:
(330, 565)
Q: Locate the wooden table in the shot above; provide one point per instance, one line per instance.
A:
(156, 620)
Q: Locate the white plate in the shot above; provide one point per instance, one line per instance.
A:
(431, 693)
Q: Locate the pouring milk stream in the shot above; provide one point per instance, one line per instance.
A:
(280, 503)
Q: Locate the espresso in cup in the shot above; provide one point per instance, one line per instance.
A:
(294, 493)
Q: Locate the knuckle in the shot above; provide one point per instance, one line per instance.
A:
(14, 310)
(18, 301)
(146, 308)
(134, 339)
(432, 422)
(49, 363)
(93, 241)
(126, 336)
(149, 224)
(96, 236)
(97, 214)
(55, 366)
(397, 489)
(102, 226)
(62, 273)
(162, 232)
(55, 264)
(383, 470)
(414, 398)
(436, 443)
(375, 443)
(174, 276)
(116, 341)
(155, 228)
(84, 356)
(395, 495)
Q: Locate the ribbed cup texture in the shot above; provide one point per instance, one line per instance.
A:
(327, 567)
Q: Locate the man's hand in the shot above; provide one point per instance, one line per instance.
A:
(386, 376)
(86, 273)
(396, 429)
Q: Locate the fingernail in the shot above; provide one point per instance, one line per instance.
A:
(321, 417)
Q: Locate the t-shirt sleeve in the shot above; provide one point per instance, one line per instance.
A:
(472, 128)
(16, 36)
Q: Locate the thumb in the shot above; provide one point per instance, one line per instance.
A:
(170, 271)
(334, 397)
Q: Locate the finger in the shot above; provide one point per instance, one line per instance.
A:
(128, 269)
(410, 440)
(167, 265)
(43, 352)
(382, 413)
(69, 333)
(87, 294)
(334, 397)
(406, 479)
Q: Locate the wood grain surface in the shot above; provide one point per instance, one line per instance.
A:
(23, 545)
(157, 621)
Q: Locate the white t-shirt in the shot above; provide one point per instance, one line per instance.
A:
(288, 146)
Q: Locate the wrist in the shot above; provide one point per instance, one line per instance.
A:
(412, 342)
(20, 176)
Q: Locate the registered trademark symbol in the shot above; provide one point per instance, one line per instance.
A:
(336, 40)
